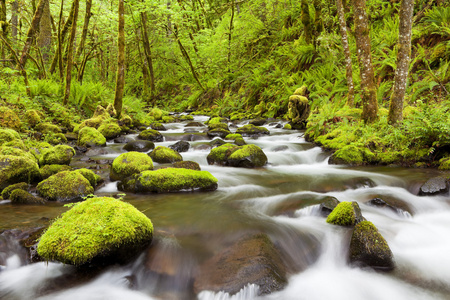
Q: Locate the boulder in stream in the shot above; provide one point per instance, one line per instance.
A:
(434, 186)
(19, 196)
(164, 155)
(369, 248)
(65, 186)
(129, 163)
(151, 135)
(247, 156)
(90, 137)
(253, 259)
(169, 180)
(58, 155)
(14, 169)
(187, 164)
(181, 146)
(49, 170)
(99, 230)
(252, 130)
(110, 129)
(139, 146)
(346, 214)
(328, 205)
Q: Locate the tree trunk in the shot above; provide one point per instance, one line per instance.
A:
(33, 28)
(44, 39)
(120, 77)
(87, 18)
(14, 21)
(230, 31)
(3, 26)
(306, 21)
(403, 60)
(73, 32)
(368, 88)
(148, 53)
(347, 54)
(59, 52)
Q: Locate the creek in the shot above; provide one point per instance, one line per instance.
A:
(282, 200)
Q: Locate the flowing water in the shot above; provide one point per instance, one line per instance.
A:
(281, 200)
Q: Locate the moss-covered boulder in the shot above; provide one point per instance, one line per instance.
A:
(58, 155)
(55, 138)
(16, 151)
(187, 164)
(90, 137)
(258, 121)
(9, 119)
(151, 135)
(32, 117)
(218, 132)
(98, 230)
(252, 130)
(49, 170)
(48, 128)
(158, 126)
(165, 155)
(181, 146)
(8, 135)
(110, 130)
(352, 155)
(139, 146)
(157, 114)
(220, 154)
(127, 164)
(65, 186)
(298, 108)
(345, 214)
(14, 169)
(169, 180)
(19, 196)
(248, 156)
(17, 186)
(216, 120)
(233, 136)
(93, 178)
(369, 248)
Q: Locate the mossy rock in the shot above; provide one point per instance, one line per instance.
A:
(219, 154)
(158, 126)
(328, 205)
(55, 138)
(139, 146)
(14, 169)
(8, 135)
(352, 155)
(444, 163)
(90, 137)
(48, 128)
(19, 196)
(218, 132)
(258, 121)
(169, 180)
(32, 117)
(345, 214)
(100, 229)
(217, 120)
(93, 178)
(252, 130)
(181, 146)
(110, 130)
(18, 186)
(111, 110)
(9, 119)
(434, 186)
(233, 136)
(49, 170)
(240, 141)
(168, 119)
(151, 135)
(157, 113)
(186, 118)
(127, 164)
(218, 125)
(301, 91)
(125, 121)
(101, 112)
(165, 155)
(65, 186)
(369, 248)
(6, 150)
(248, 156)
(58, 155)
(186, 164)
(287, 126)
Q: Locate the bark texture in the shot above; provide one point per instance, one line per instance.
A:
(73, 32)
(14, 20)
(44, 40)
(368, 88)
(347, 54)
(87, 18)
(403, 60)
(148, 53)
(120, 77)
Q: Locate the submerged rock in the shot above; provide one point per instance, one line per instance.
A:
(127, 164)
(164, 155)
(345, 214)
(369, 248)
(434, 186)
(252, 259)
(169, 180)
(98, 230)
(65, 186)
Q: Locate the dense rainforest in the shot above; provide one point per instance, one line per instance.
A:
(242, 59)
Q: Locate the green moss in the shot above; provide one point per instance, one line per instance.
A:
(58, 155)
(343, 214)
(18, 144)
(248, 156)
(349, 154)
(186, 118)
(6, 150)
(192, 165)
(444, 163)
(240, 141)
(174, 180)
(163, 155)
(65, 186)
(110, 130)
(95, 227)
(93, 178)
(32, 117)
(168, 119)
(126, 121)
(218, 126)
(15, 169)
(48, 128)
(19, 196)
(287, 126)
(127, 164)
(217, 120)
(157, 113)
(8, 135)
(151, 135)
(101, 112)
(9, 119)
(49, 170)
(55, 138)
(251, 129)
(7, 191)
(219, 154)
(301, 91)
(233, 136)
(90, 137)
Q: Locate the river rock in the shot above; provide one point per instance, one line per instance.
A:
(7, 191)
(19, 196)
(65, 186)
(93, 178)
(346, 214)
(169, 180)
(8, 135)
(165, 155)
(251, 260)
(328, 205)
(258, 122)
(127, 164)
(186, 164)
(110, 130)
(158, 126)
(98, 230)
(139, 146)
(252, 130)
(180, 146)
(434, 186)
(9, 119)
(247, 156)
(390, 202)
(369, 248)
(218, 132)
(151, 135)
(194, 124)
(58, 155)
(14, 169)
(90, 137)
(49, 170)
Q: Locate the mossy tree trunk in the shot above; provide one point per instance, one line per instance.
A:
(368, 88)
(59, 50)
(14, 21)
(148, 53)
(73, 32)
(3, 26)
(403, 60)
(44, 39)
(230, 32)
(120, 77)
(87, 18)
(306, 21)
(347, 54)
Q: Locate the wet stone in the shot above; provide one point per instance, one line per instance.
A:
(434, 186)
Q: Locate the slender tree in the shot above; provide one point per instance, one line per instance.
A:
(14, 20)
(403, 60)
(148, 52)
(368, 88)
(70, 46)
(347, 54)
(3, 25)
(44, 38)
(87, 18)
(120, 77)
(230, 32)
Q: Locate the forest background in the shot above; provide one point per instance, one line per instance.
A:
(238, 59)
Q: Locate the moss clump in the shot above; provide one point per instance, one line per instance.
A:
(49, 170)
(218, 132)
(192, 165)
(55, 138)
(252, 130)
(110, 130)
(14, 169)
(186, 118)
(93, 178)
(48, 128)
(158, 126)
(96, 228)
(58, 155)
(217, 120)
(90, 137)
(164, 155)
(349, 154)
(171, 180)
(233, 136)
(65, 186)
(32, 117)
(301, 91)
(101, 112)
(127, 164)
(345, 214)
(9, 119)
(151, 135)
(7, 191)
(6, 150)
(219, 154)
(19, 196)
(240, 141)
(248, 156)
(157, 114)
(444, 163)
(8, 135)
(212, 126)
(168, 119)
(287, 126)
